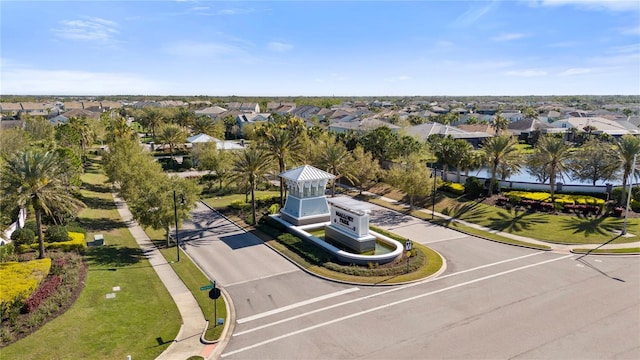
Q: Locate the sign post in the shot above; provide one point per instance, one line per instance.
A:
(408, 246)
(214, 294)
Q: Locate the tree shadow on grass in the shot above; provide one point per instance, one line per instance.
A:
(591, 225)
(515, 220)
(98, 203)
(100, 224)
(114, 256)
(471, 212)
(97, 188)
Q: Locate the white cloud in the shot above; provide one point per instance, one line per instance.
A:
(474, 14)
(526, 73)
(398, 78)
(508, 37)
(633, 30)
(279, 46)
(576, 71)
(613, 5)
(24, 80)
(201, 49)
(87, 29)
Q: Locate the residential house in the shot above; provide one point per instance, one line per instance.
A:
(81, 113)
(212, 111)
(597, 125)
(360, 126)
(10, 108)
(250, 118)
(244, 107)
(423, 131)
(305, 111)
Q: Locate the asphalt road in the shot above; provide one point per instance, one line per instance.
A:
(493, 302)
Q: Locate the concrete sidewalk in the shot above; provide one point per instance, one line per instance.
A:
(187, 343)
(562, 248)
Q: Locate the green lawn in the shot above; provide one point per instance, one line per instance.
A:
(558, 228)
(218, 202)
(193, 278)
(140, 321)
(571, 229)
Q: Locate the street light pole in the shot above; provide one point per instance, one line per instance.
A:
(433, 193)
(175, 214)
(626, 213)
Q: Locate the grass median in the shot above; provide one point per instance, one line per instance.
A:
(141, 320)
(193, 278)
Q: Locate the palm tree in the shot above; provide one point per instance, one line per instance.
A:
(37, 179)
(461, 155)
(87, 135)
(282, 146)
(337, 160)
(152, 119)
(117, 127)
(628, 148)
(499, 151)
(500, 124)
(553, 154)
(251, 165)
(172, 135)
(204, 125)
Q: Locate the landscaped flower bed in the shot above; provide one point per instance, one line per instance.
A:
(541, 201)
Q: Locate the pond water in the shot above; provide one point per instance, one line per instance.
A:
(381, 247)
(524, 176)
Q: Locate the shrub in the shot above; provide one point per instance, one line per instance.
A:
(473, 187)
(56, 233)
(31, 224)
(18, 280)
(453, 188)
(187, 163)
(43, 292)
(618, 211)
(274, 208)
(76, 242)
(23, 236)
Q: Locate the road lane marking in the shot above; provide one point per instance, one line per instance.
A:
(389, 305)
(382, 293)
(447, 239)
(296, 305)
(261, 278)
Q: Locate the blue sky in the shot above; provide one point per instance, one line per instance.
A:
(321, 48)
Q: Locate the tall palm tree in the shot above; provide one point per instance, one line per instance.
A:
(152, 119)
(498, 151)
(37, 179)
(337, 160)
(462, 155)
(172, 135)
(282, 146)
(554, 155)
(249, 166)
(628, 148)
(87, 135)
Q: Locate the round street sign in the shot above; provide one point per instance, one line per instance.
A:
(214, 293)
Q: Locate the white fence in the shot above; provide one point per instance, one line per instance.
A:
(5, 238)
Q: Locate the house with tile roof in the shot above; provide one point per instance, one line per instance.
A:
(601, 125)
(360, 125)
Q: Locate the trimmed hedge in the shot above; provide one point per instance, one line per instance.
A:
(76, 243)
(453, 188)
